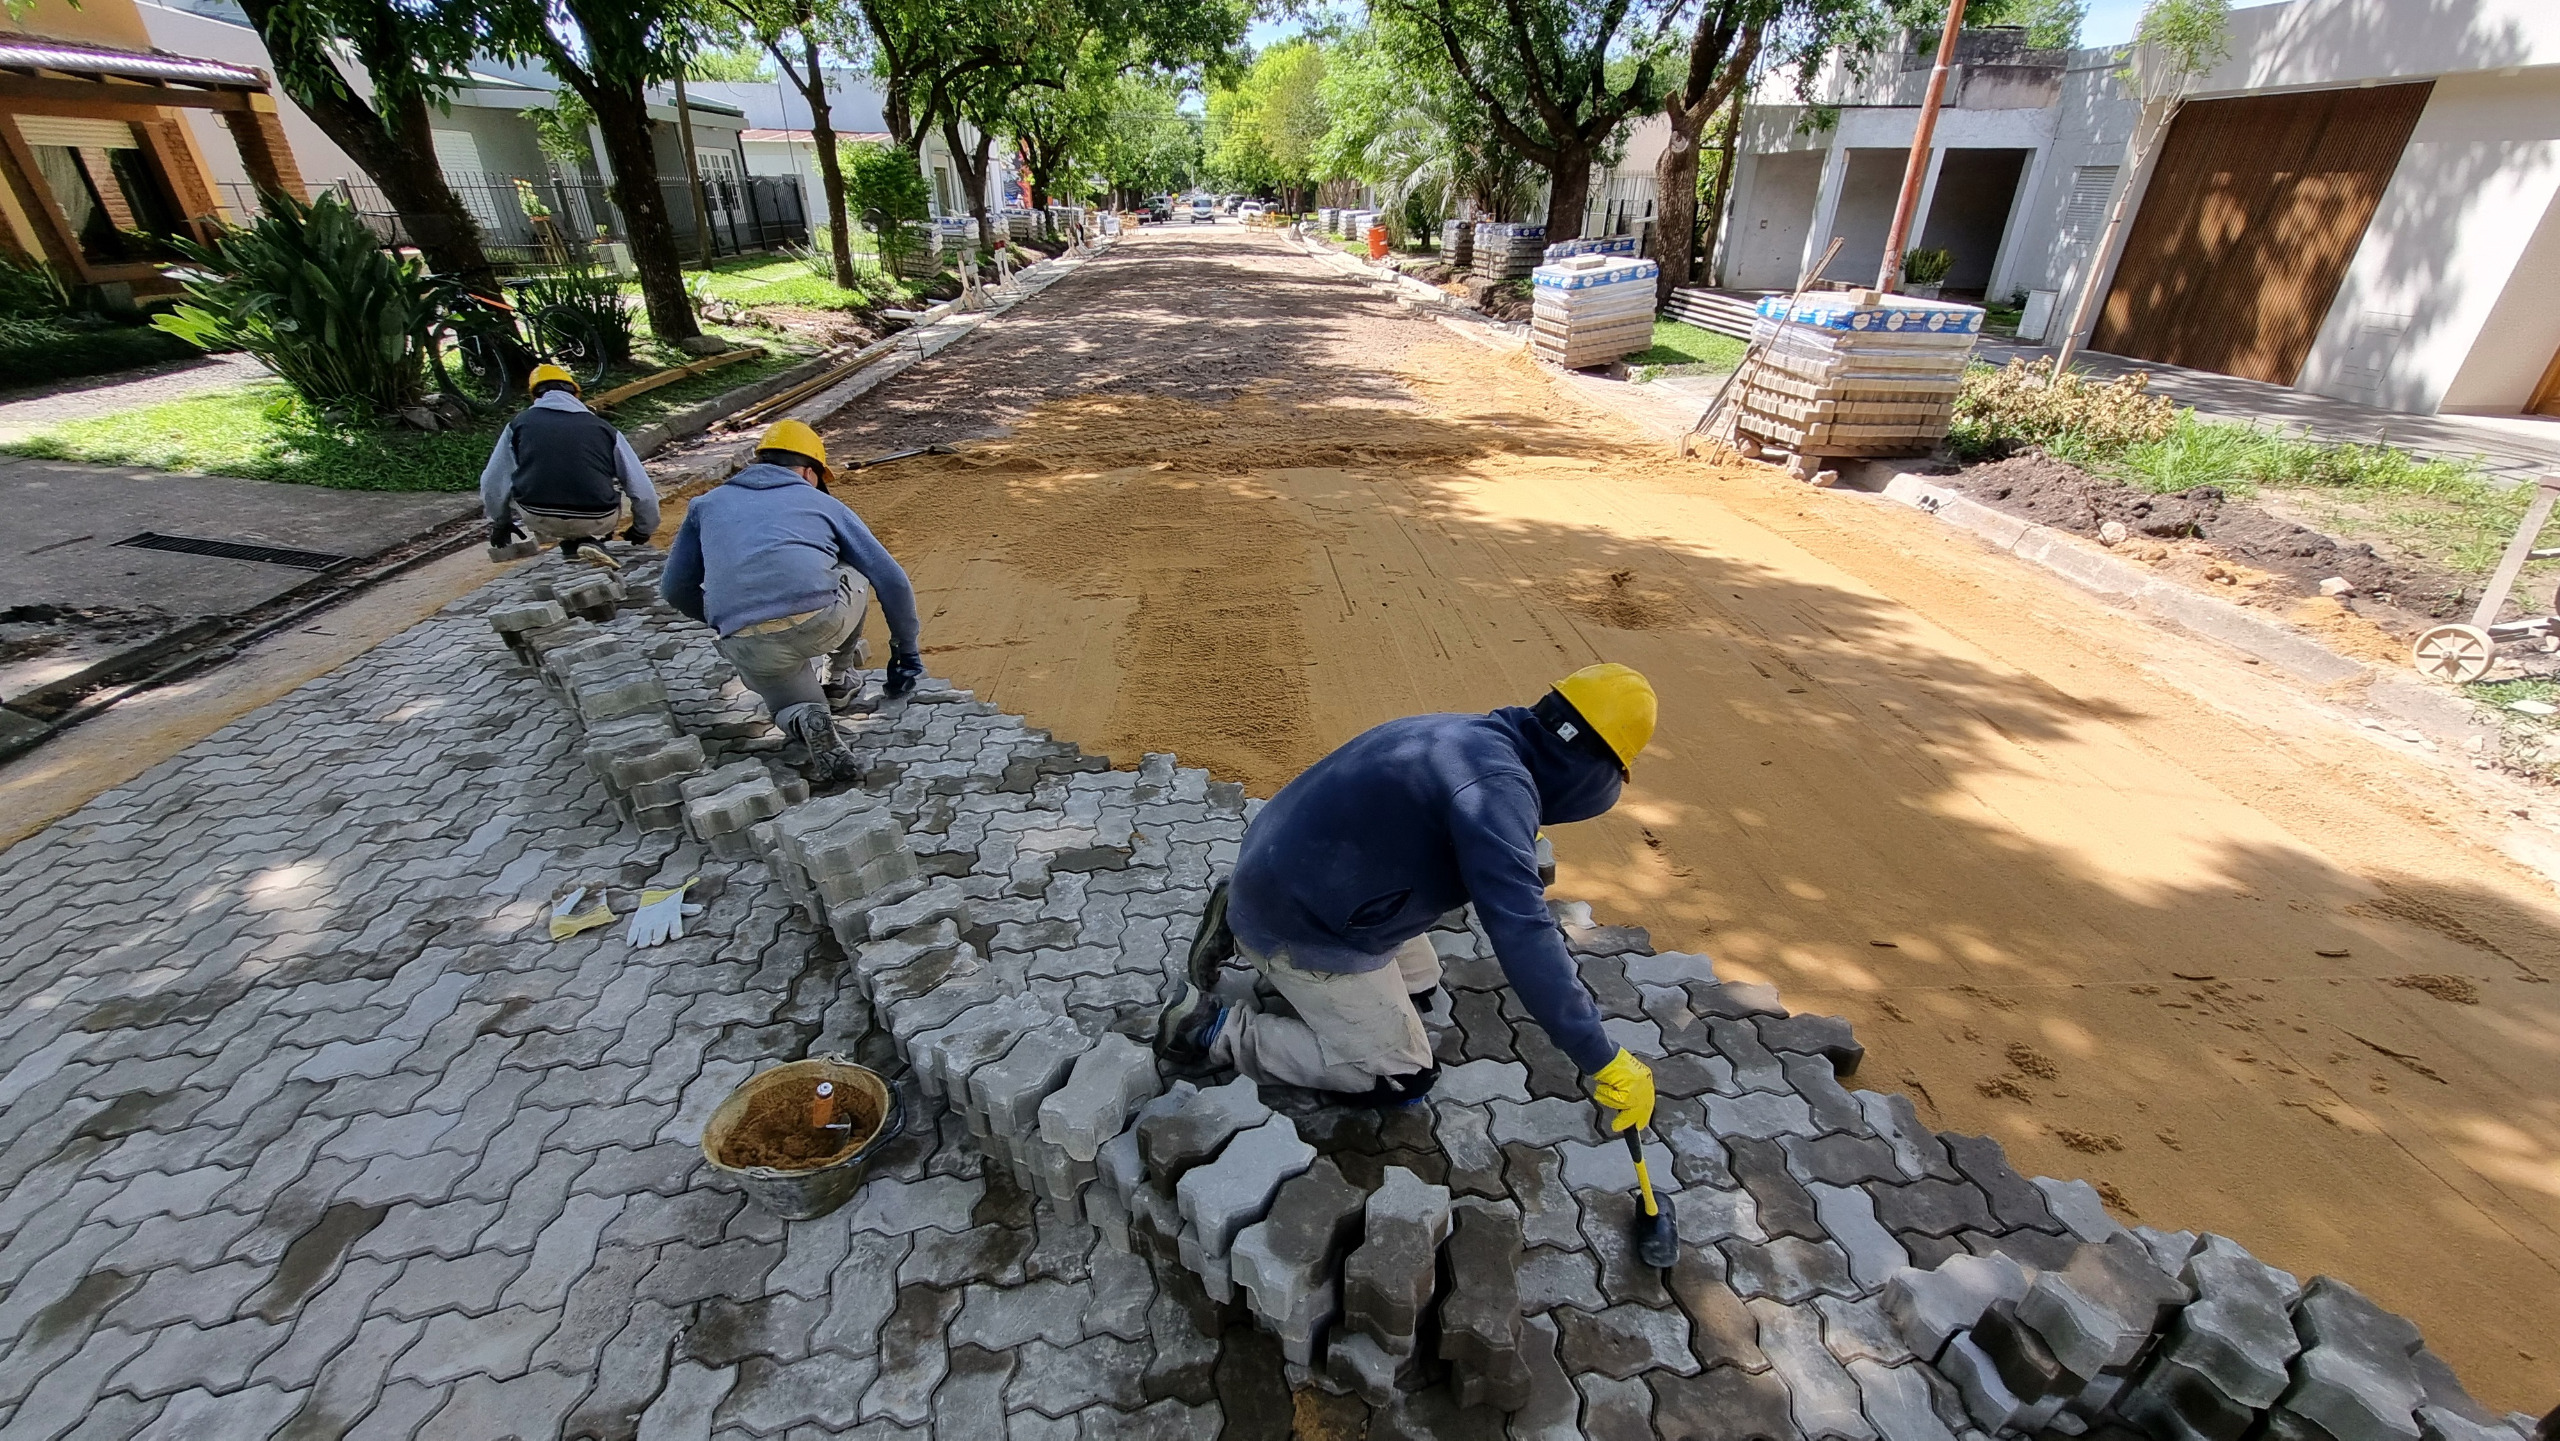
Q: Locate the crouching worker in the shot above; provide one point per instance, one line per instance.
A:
(560, 472)
(784, 571)
(1342, 876)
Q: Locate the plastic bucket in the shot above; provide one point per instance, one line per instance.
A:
(760, 1135)
(1377, 239)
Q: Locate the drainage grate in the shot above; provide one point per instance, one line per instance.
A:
(234, 550)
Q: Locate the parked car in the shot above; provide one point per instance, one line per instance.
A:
(1203, 208)
(1159, 207)
(1248, 209)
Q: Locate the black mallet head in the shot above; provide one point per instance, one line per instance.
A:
(1657, 1236)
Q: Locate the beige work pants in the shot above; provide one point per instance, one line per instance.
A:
(557, 528)
(1352, 1028)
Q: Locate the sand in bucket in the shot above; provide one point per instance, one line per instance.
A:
(797, 1151)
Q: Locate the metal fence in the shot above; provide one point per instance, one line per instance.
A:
(547, 220)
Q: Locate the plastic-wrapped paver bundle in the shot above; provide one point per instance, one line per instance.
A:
(1457, 242)
(1019, 222)
(1508, 252)
(1591, 245)
(1855, 373)
(1330, 219)
(1591, 309)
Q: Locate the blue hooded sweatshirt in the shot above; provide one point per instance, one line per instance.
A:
(1372, 845)
(766, 544)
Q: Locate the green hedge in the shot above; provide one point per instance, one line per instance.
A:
(33, 352)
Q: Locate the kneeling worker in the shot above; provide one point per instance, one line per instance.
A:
(561, 472)
(784, 571)
(1343, 875)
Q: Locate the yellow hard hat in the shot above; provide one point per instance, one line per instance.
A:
(547, 372)
(796, 437)
(1617, 701)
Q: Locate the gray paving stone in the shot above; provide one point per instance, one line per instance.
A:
(1387, 1280)
(1059, 1381)
(1898, 1403)
(772, 1398)
(1624, 1341)
(1289, 1263)
(1928, 1307)
(1616, 1410)
(914, 1356)
(692, 1396)
(1001, 1320)
(1480, 1312)
(1849, 1215)
(250, 1414)
(1110, 1081)
(2076, 1205)
(1821, 1396)
(2100, 1311)
(1789, 1270)
(1549, 1278)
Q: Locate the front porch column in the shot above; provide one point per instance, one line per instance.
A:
(1826, 203)
(259, 135)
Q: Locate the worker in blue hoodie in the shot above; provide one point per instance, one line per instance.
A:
(1345, 872)
(784, 572)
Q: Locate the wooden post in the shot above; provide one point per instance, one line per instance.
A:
(1890, 276)
(693, 177)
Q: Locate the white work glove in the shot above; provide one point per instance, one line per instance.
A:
(661, 917)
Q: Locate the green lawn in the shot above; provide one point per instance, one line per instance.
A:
(1678, 343)
(261, 432)
(780, 280)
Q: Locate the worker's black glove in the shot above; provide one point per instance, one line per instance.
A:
(637, 536)
(905, 669)
(502, 531)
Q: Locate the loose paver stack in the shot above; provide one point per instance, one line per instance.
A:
(315, 1130)
(1591, 309)
(1854, 373)
(1507, 251)
(1457, 243)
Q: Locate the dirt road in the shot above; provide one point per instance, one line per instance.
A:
(2251, 975)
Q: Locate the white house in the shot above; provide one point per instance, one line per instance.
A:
(2363, 201)
(778, 140)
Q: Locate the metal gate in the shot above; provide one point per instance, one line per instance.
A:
(2255, 210)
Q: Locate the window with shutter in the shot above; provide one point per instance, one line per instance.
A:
(2091, 187)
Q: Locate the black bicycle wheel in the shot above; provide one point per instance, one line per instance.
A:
(471, 364)
(569, 337)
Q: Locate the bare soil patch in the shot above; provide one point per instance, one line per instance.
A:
(2239, 548)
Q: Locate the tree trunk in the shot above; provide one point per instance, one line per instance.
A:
(622, 114)
(822, 134)
(396, 149)
(1675, 217)
(973, 175)
(1569, 190)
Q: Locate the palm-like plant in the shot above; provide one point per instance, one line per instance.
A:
(1423, 151)
(311, 293)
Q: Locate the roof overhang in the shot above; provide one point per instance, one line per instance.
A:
(34, 68)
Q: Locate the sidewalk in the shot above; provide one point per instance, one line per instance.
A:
(2513, 449)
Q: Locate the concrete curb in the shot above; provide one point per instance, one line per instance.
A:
(2436, 712)
(694, 419)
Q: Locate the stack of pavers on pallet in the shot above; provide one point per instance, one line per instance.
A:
(1329, 219)
(1591, 309)
(1457, 243)
(1020, 223)
(1854, 373)
(2177, 1337)
(1507, 252)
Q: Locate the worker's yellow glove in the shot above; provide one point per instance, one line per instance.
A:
(1625, 1086)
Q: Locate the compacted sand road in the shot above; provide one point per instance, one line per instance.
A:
(2249, 974)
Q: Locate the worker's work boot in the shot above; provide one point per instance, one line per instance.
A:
(1189, 1027)
(589, 551)
(813, 726)
(1397, 1092)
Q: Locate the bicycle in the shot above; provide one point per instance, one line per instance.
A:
(482, 352)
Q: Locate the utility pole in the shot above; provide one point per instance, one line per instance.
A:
(1917, 168)
(693, 177)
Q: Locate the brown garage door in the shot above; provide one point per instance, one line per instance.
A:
(2254, 211)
